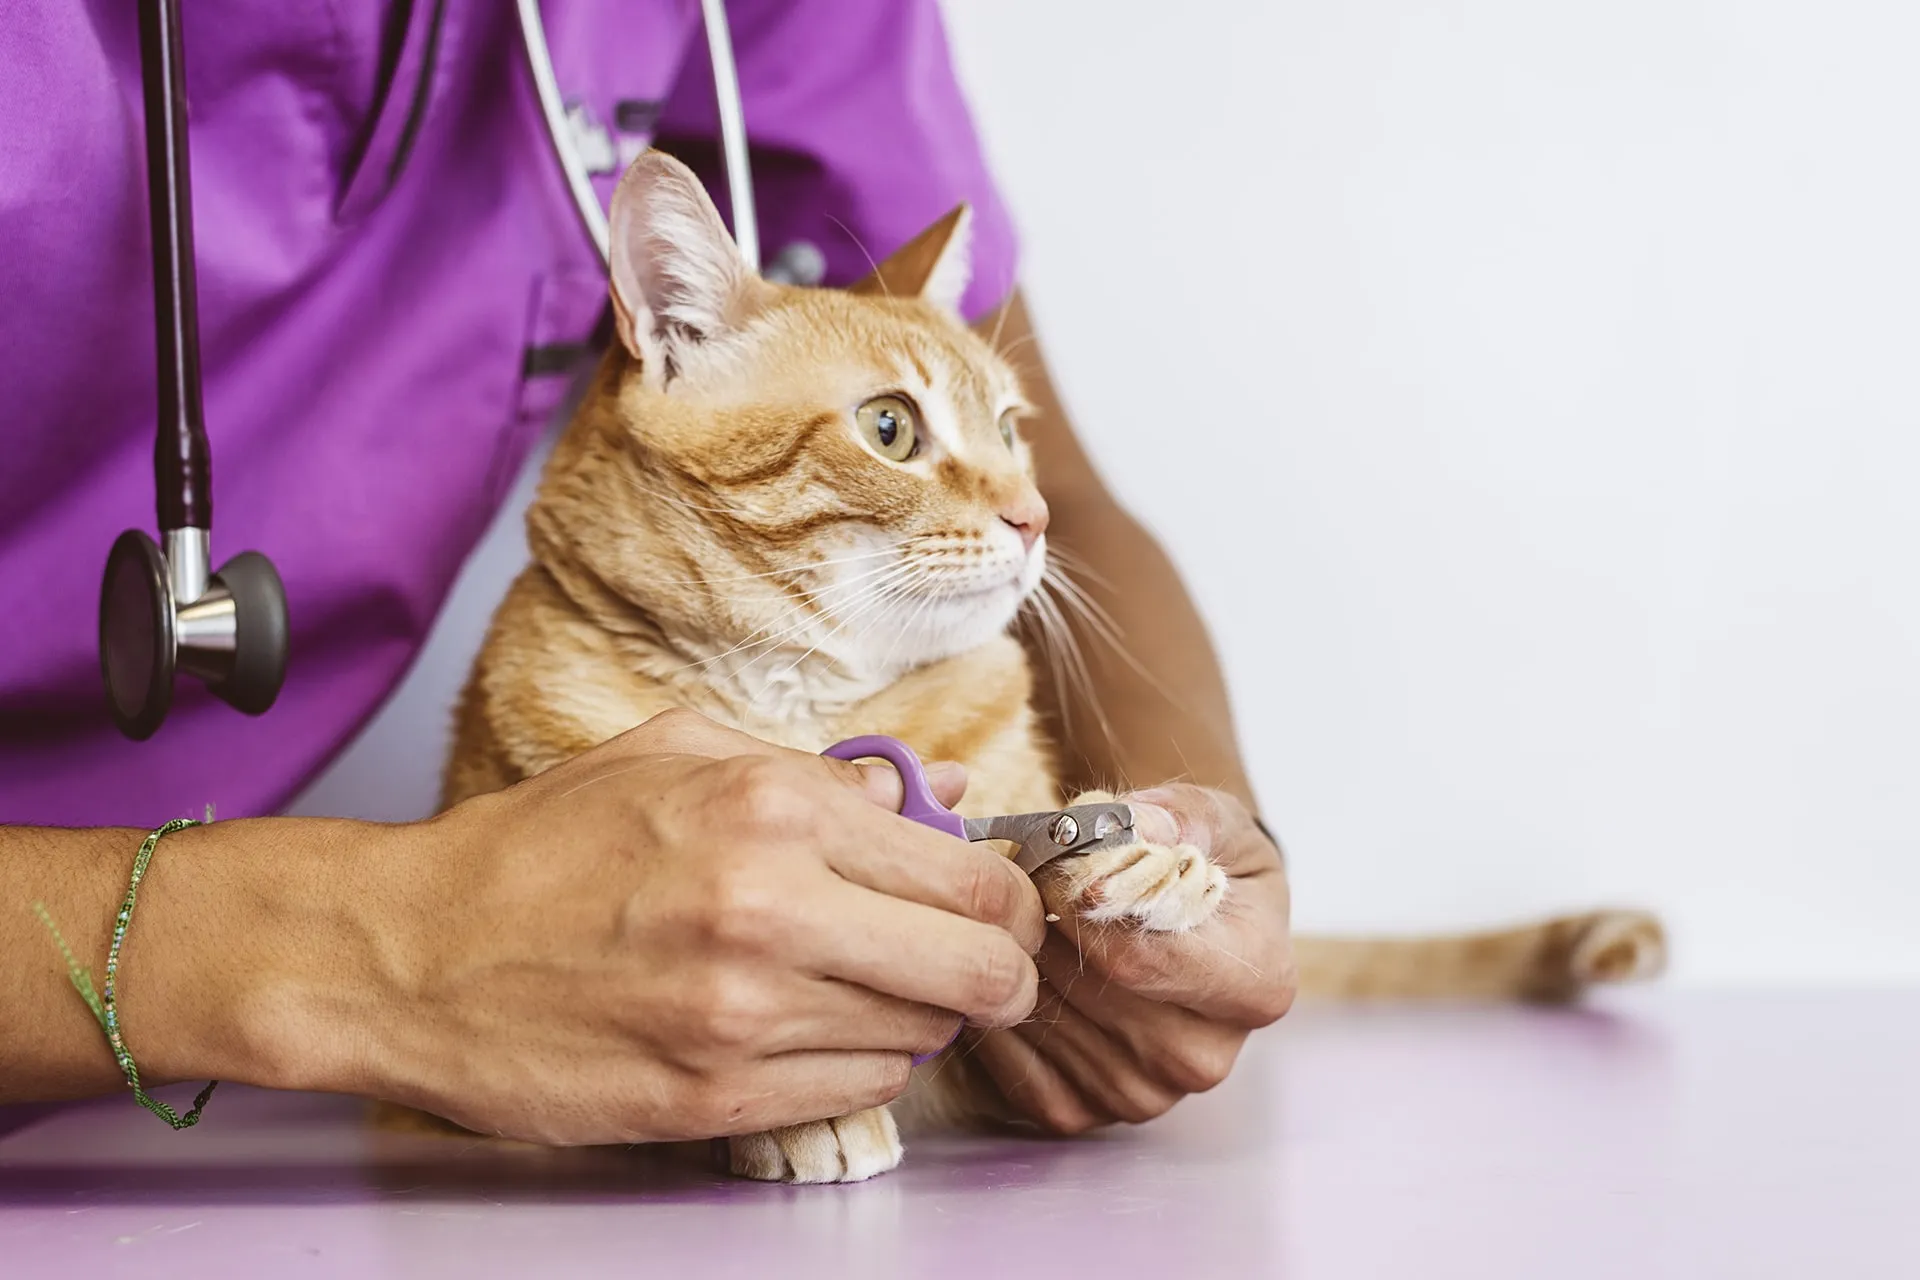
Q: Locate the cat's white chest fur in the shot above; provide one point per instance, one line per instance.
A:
(791, 699)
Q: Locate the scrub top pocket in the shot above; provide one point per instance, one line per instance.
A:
(405, 105)
(562, 332)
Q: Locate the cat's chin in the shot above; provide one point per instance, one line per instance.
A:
(963, 622)
(942, 628)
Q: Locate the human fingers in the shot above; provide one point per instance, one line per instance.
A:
(831, 1014)
(905, 860)
(1096, 1064)
(766, 794)
(774, 879)
(1174, 1047)
(928, 956)
(714, 1014)
(1236, 968)
(1211, 820)
(1033, 1087)
(788, 1088)
(880, 783)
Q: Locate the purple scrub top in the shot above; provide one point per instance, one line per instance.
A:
(394, 291)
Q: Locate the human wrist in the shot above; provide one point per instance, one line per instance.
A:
(257, 954)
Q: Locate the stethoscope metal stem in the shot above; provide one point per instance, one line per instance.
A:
(189, 554)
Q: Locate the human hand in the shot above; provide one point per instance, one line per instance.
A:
(683, 933)
(1129, 1021)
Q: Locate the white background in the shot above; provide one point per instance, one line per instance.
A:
(1528, 392)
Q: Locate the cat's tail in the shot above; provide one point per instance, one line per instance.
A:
(1551, 960)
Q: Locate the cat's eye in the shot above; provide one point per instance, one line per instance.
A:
(890, 426)
(1006, 428)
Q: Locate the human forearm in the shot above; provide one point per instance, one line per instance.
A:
(680, 933)
(248, 938)
(1158, 711)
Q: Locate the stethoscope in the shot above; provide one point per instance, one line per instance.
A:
(163, 608)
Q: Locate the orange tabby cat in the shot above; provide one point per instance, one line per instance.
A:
(809, 514)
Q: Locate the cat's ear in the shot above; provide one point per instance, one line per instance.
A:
(677, 275)
(935, 265)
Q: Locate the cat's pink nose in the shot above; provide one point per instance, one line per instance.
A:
(1028, 516)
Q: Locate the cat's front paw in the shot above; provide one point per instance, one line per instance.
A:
(1167, 888)
(850, 1149)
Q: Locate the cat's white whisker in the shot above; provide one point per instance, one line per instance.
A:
(1091, 609)
(926, 601)
(1077, 662)
(791, 571)
(680, 501)
(1069, 561)
(799, 598)
(774, 633)
(888, 598)
(860, 244)
(881, 617)
(857, 600)
(1030, 616)
(999, 323)
(812, 604)
(901, 580)
(1006, 353)
(1071, 595)
(1058, 633)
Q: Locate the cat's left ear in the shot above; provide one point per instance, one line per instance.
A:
(677, 275)
(935, 265)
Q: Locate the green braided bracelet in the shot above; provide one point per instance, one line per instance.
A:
(104, 1010)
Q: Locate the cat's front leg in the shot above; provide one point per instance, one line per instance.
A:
(1166, 888)
(849, 1149)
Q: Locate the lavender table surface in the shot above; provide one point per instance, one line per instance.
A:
(1665, 1135)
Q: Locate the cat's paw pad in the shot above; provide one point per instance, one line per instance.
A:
(1619, 946)
(850, 1149)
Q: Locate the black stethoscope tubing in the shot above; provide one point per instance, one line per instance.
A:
(161, 609)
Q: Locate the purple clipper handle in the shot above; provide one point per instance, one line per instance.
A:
(917, 803)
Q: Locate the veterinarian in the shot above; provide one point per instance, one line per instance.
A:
(394, 294)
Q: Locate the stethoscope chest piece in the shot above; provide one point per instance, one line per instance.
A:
(232, 635)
